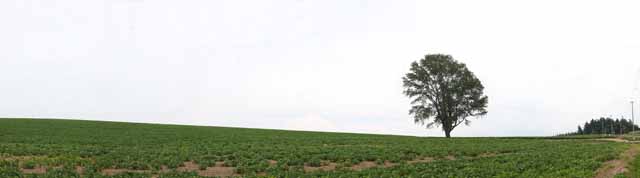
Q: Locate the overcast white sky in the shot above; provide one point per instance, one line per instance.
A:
(547, 66)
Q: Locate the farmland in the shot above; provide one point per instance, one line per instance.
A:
(73, 148)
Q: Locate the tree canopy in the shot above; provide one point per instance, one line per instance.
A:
(605, 125)
(443, 92)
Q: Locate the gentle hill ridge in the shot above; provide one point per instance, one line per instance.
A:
(69, 148)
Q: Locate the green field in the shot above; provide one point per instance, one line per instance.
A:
(71, 148)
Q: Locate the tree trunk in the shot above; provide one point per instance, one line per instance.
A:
(447, 127)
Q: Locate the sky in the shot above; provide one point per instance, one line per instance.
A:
(323, 65)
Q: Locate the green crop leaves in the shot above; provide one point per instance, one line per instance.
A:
(88, 148)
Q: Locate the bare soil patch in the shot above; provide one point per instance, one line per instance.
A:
(272, 162)
(112, 172)
(364, 165)
(486, 155)
(21, 158)
(80, 170)
(326, 166)
(189, 166)
(263, 174)
(421, 160)
(618, 166)
(450, 158)
(220, 170)
(35, 170)
(388, 164)
(164, 169)
(614, 140)
(619, 139)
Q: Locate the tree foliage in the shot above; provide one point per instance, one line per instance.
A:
(606, 125)
(443, 92)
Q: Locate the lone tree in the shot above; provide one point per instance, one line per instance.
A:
(443, 92)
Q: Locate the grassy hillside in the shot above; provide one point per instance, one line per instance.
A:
(70, 148)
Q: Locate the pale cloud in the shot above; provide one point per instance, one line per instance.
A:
(546, 65)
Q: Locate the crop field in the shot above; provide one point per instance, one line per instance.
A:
(72, 148)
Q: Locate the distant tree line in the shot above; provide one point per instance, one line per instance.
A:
(605, 126)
